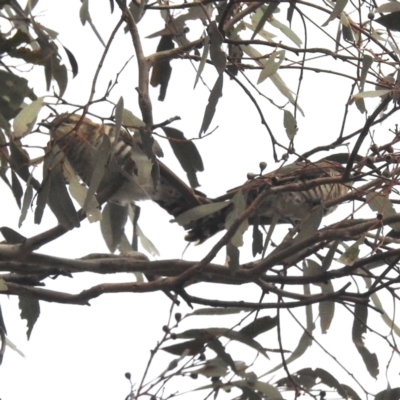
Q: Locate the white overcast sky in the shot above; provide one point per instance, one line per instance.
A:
(83, 352)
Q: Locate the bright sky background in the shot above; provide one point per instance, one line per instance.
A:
(83, 352)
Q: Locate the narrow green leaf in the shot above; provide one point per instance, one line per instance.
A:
(390, 21)
(381, 204)
(112, 224)
(217, 55)
(359, 328)
(25, 204)
(26, 118)
(350, 256)
(290, 124)
(388, 7)
(200, 211)
(16, 188)
(84, 12)
(239, 202)
(206, 48)
(286, 31)
(337, 10)
(146, 242)
(259, 326)
(272, 6)
(271, 66)
(371, 93)
(215, 95)
(30, 310)
(102, 157)
(187, 154)
(73, 62)
(11, 236)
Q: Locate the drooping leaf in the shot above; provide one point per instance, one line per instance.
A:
(112, 224)
(118, 116)
(286, 31)
(138, 11)
(350, 256)
(215, 94)
(271, 66)
(347, 31)
(219, 348)
(25, 204)
(190, 348)
(26, 118)
(131, 120)
(381, 204)
(209, 333)
(304, 343)
(19, 160)
(162, 69)
(327, 262)
(43, 193)
(259, 326)
(390, 21)
(239, 202)
(30, 310)
(102, 157)
(59, 200)
(59, 74)
(79, 193)
(200, 212)
(206, 48)
(388, 321)
(359, 328)
(85, 17)
(283, 88)
(326, 308)
(337, 10)
(187, 154)
(84, 12)
(371, 93)
(388, 394)
(217, 55)
(16, 188)
(73, 62)
(366, 65)
(290, 124)
(54, 193)
(308, 378)
(272, 6)
(388, 7)
(214, 368)
(146, 242)
(290, 12)
(14, 90)
(11, 236)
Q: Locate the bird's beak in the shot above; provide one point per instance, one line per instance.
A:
(47, 125)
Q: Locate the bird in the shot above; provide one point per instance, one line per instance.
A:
(282, 207)
(128, 177)
(128, 172)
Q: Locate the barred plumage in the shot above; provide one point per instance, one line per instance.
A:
(129, 169)
(290, 206)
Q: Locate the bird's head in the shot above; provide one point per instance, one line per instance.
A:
(72, 124)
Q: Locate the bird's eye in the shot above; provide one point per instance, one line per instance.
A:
(68, 121)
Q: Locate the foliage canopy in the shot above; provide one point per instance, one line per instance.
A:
(270, 51)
